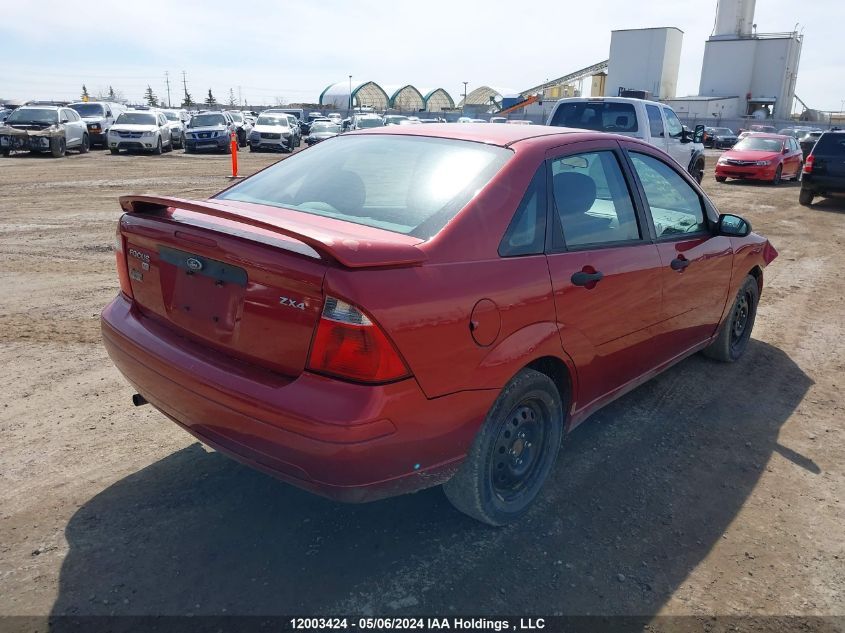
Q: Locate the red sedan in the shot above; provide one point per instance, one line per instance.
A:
(423, 305)
(769, 157)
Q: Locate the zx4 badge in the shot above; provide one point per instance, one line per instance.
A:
(292, 303)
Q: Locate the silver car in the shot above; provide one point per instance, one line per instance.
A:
(176, 121)
(274, 132)
(44, 128)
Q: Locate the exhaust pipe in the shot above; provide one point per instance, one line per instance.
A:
(138, 400)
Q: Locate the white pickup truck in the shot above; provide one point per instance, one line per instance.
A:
(650, 121)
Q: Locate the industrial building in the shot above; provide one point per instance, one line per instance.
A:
(402, 97)
(744, 73)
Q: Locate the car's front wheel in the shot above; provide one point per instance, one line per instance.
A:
(58, 146)
(698, 170)
(513, 453)
(721, 178)
(736, 330)
(158, 149)
(778, 175)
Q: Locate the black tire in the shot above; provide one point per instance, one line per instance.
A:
(182, 142)
(227, 149)
(805, 197)
(158, 150)
(525, 423)
(58, 147)
(778, 176)
(114, 151)
(735, 332)
(86, 144)
(799, 172)
(698, 170)
(6, 152)
(721, 178)
(188, 149)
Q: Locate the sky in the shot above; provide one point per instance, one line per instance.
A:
(275, 51)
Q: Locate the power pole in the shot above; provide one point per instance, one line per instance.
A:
(240, 99)
(167, 79)
(184, 83)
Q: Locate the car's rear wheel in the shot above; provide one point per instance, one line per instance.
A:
(513, 453)
(778, 175)
(721, 178)
(58, 147)
(805, 197)
(114, 150)
(6, 152)
(736, 330)
(86, 144)
(799, 172)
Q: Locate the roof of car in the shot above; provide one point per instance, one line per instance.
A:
(491, 134)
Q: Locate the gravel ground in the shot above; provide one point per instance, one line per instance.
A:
(711, 490)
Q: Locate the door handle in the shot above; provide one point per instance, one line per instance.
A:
(582, 278)
(679, 263)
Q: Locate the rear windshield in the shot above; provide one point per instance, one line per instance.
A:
(602, 116)
(136, 118)
(830, 145)
(723, 131)
(406, 184)
(373, 122)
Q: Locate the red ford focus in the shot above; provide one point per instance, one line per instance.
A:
(769, 157)
(414, 306)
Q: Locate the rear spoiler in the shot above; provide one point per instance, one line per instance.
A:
(364, 248)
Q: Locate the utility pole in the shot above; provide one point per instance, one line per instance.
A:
(167, 79)
(464, 106)
(240, 99)
(349, 111)
(184, 83)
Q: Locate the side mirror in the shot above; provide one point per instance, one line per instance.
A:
(785, 150)
(733, 226)
(698, 135)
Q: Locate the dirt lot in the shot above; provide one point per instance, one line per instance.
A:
(713, 489)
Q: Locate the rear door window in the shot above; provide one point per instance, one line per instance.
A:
(602, 116)
(655, 121)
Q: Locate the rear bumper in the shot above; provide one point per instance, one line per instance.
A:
(827, 184)
(344, 441)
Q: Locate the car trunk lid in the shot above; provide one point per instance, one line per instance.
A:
(241, 278)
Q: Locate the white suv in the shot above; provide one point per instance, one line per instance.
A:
(146, 130)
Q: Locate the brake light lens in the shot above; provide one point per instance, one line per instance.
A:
(808, 166)
(348, 344)
(120, 260)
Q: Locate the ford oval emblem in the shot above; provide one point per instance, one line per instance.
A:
(194, 264)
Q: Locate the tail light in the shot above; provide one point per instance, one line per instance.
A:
(808, 166)
(349, 345)
(120, 259)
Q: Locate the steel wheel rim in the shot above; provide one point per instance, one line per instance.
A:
(741, 315)
(519, 451)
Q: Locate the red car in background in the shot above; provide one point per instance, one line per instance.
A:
(759, 156)
(422, 305)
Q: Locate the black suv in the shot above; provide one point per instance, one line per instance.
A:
(824, 170)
